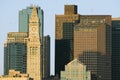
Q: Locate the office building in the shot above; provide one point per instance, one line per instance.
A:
(92, 45)
(75, 70)
(15, 52)
(15, 75)
(64, 36)
(86, 38)
(115, 48)
(46, 57)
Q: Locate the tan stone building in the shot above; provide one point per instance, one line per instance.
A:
(33, 48)
(15, 75)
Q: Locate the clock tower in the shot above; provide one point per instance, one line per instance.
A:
(34, 25)
(33, 47)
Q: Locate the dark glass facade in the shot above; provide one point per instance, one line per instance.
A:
(65, 46)
(116, 49)
(15, 53)
(46, 57)
(64, 25)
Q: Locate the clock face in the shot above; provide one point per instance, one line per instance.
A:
(33, 29)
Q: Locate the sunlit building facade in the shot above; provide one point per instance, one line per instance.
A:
(75, 70)
(15, 75)
(34, 66)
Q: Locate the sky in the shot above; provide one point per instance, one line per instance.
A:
(9, 10)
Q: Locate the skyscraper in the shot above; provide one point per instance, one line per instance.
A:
(85, 37)
(46, 57)
(92, 45)
(64, 36)
(115, 48)
(15, 52)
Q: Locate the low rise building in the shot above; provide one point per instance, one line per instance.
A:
(75, 70)
(15, 75)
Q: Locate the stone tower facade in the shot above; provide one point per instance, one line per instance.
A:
(33, 47)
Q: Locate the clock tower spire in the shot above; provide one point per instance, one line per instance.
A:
(34, 25)
(34, 15)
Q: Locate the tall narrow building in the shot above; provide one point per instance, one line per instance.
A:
(115, 48)
(46, 57)
(33, 47)
(25, 15)
(64, 26)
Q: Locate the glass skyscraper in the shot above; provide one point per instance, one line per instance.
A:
(15, 52)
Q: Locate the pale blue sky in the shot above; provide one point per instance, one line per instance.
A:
(9, 16)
